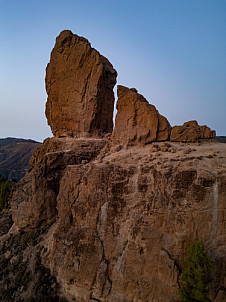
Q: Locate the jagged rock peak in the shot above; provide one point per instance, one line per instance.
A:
(137, 121)
(79, 84)
(190, 132)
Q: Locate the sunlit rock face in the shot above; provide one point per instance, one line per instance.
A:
(79, 84)
(137, 121)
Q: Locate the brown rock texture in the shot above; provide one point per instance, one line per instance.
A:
(79, 84)
(137, 121)
(191, 132)
(37, 200)
(122, 221)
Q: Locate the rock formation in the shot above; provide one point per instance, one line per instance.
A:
(137, 121)
(191, 132)
(122, 222)
(79, 84)
(93, 221)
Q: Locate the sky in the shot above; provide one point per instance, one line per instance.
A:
(172, 51)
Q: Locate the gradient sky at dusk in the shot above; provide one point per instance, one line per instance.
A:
(172, 51)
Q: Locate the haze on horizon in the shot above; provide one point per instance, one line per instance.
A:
(173, 52)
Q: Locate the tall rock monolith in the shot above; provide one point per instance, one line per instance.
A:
(79, 84)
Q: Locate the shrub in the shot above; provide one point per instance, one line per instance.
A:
(195, 275)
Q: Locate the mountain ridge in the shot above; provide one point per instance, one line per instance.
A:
(15, 154)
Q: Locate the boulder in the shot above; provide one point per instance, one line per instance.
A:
(79, 84)
(137, 121)
(191, 132)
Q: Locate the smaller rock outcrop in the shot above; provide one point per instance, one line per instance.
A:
(191, 132)
(79, 84)
(137, 121)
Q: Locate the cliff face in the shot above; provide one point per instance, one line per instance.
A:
(123, 219)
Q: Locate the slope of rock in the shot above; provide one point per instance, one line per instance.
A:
(14, 156)
(122, 221)
(137, 121)
(79, 84)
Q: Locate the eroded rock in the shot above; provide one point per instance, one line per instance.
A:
(79, 84)
(123, 221)
(191, 132)
(90, 224)
(137, 121)
(34, 199)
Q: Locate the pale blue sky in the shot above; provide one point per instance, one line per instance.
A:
(172, 51)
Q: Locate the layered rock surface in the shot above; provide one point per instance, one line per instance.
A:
(122, 221)
(79, 84)
(191, 132)
(137, 121)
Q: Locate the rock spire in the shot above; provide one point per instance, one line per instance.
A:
(79, 84)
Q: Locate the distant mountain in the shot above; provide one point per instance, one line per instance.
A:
(15, 154)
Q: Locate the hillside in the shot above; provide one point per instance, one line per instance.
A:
(15, 154)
